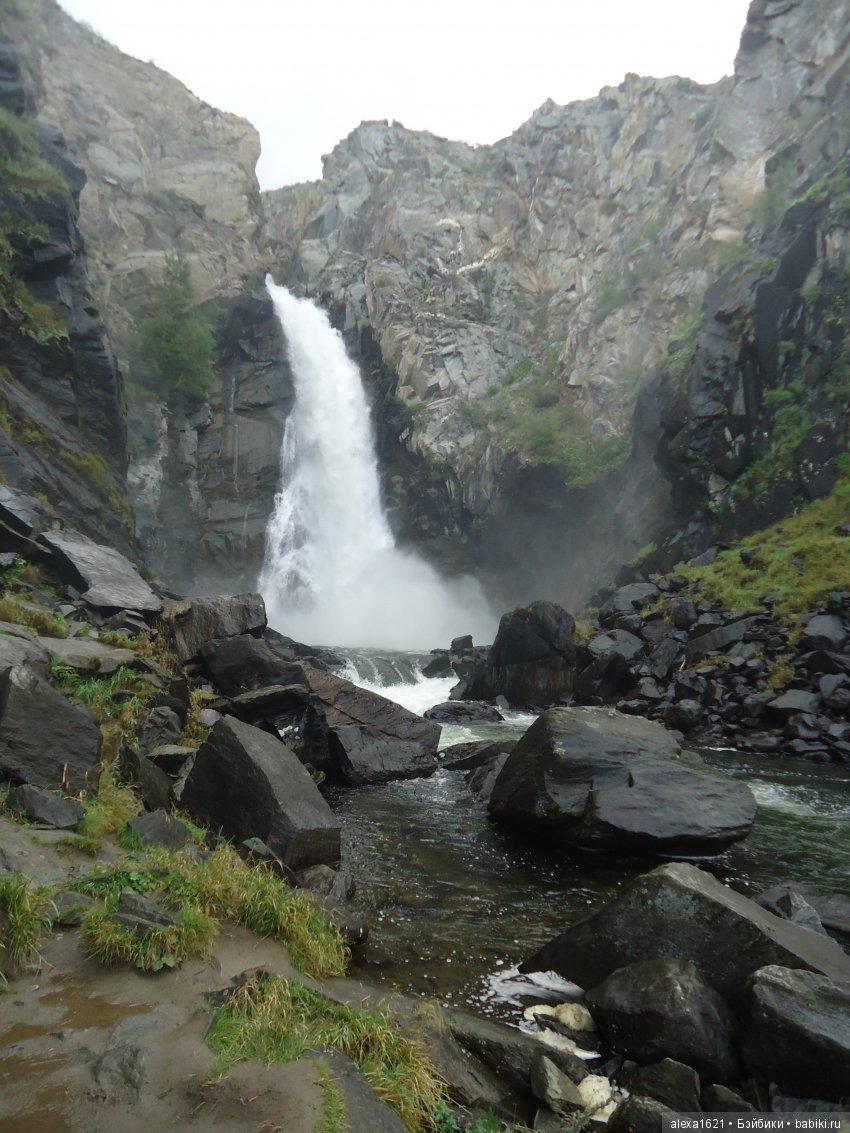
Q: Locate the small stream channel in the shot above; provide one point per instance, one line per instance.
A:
(455, 902)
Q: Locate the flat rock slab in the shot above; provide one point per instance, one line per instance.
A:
(679, 911)
(44, 738)
(196, 621)
(250, 785)
(603, 780)
(47, 808)
(106, 578)
(86, 655)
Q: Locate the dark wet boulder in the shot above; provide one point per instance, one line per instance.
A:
(192, 622)
(532, 660)
(158, 828)
(670, 1082)
(290, 650)
(823, 631)
(370, 739)
(106, 579)
(618, 641)
(464, 712)
(242, 663)
(46, 808)
(475, 753)
(247, 783)
(602, 780)
(44, 738)
(680, 912)
(665, 1009)
(796, 1032)
(20, 647)
(639, 1115)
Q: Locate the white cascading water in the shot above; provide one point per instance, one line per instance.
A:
(332, 573)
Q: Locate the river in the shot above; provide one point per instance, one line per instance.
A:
(455, 902)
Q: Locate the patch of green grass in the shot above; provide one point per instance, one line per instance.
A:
(44, 622)
(24, 917)
(797, 561)
(107, 811)
(333, 1118)
(120, 697)
(194, 732)
(225, 888)
(162, 947)
(273, 1019)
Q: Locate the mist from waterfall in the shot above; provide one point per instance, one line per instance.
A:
(332, 573)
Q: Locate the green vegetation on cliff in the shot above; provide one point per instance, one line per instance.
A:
(25, 180)
(175, 346)
(796, 562)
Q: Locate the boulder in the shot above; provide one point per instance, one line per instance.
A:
(680, 912)
(192, 622)
(106, 579)
(44, 738)
(370, 739)
(249, 784)
(532, 660)
(20, 647)
(47, 808)
(476, 753)
(158, 828)
(243, 663)
(670, 1082)
(618, 641)
(661, 1008)
(639, 1115)
(796, 1032)
(464, 712)
(603, 780)
(291, 650)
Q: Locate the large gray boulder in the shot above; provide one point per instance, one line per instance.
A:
(603, 780)
(679, 911)
(18, 646)
(797, 1032)
(195, 621)
(45, 739)
(370, 739)
(664, 1009)
(532, 660)
(105, 577)
(243, 663)
(248, 784)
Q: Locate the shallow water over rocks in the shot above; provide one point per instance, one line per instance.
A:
(455, 901)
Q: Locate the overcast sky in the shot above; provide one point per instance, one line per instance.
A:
(306, 72)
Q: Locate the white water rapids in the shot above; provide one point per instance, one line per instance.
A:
(332, 573)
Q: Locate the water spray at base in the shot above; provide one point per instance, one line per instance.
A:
(332, 572)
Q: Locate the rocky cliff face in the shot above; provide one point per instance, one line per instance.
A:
(62, 426)
(522, 294)
(168, 173)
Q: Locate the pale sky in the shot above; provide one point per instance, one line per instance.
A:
(306, 72)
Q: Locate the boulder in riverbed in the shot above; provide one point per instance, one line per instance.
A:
(679, 911)
(603, 780)
(195, 621)
(532, 660)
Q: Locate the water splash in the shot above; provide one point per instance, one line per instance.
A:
(332, 572)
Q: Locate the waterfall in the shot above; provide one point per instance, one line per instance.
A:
(332, 573)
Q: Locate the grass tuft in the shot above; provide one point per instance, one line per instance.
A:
(42, 621)
(273, 1019)
(24, 917)
(161, 947)
(107, 811)
(333, 1118)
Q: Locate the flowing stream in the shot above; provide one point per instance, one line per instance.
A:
(455, 902)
